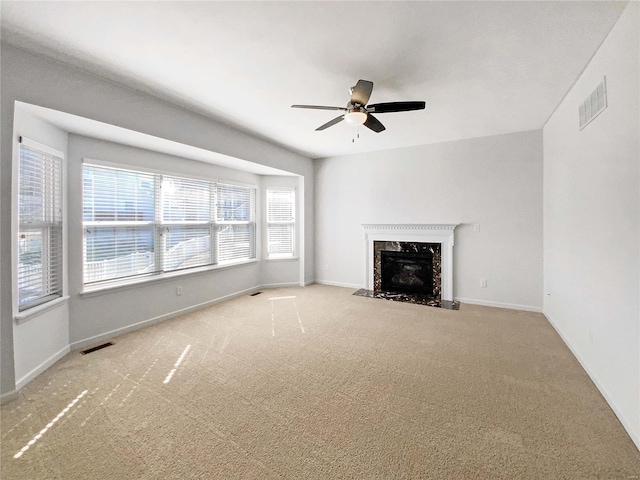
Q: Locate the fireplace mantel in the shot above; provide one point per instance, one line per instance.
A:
(428, 233)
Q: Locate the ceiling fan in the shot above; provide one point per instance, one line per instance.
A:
(357, 112)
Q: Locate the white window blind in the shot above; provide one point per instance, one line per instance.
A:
(119, 217)
(186, 216)
(280, 222)
(185, 200)
(186, 247)
(235, 203)
(235, 242)
(139, 223)
(235, 218)
(39, 226)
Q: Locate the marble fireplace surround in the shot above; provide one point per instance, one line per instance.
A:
(425, 233)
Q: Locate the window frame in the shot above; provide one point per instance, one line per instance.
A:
(57, 208)
(220, 225)
(293, 223)
(161, 226)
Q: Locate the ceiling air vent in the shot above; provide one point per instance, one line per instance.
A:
(594, 104)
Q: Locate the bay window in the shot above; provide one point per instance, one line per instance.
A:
(140, 224)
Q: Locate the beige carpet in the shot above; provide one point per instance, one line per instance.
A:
(320, 384)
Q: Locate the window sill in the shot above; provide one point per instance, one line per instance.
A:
(110, 287)
(281, 259)
(22, 317)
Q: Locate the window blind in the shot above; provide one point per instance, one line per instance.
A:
(118, 252)
(235, 216)
(39, 226)
(139, 223)
(235, 203)
(185, 200)
(186, 215)
(113, 195)
(186, 247)
(280, 222)
(119, 212)
(235, 242)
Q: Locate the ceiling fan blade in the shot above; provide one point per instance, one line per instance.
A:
(319, 107)
(395, 107)
(374, 124)
(361, 92)
(330, 123)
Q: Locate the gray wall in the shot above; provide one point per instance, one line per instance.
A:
(40, 81)
(591, 223)
(495, 182)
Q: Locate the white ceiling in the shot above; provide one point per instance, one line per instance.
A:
(484, 68)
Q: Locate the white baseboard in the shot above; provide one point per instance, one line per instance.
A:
(512, 306)
(339, 284)
(21, 382)
(145, 323)
(635, 436)
(7, 397)
(278, 285)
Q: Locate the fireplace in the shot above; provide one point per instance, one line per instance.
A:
(410, 263)
(412, 268)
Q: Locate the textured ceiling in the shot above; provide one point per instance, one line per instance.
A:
(484, 68)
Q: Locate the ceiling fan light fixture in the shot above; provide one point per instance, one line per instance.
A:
(355, 118)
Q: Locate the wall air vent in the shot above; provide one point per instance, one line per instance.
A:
(594, 104)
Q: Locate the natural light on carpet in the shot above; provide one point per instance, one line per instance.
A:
(49, 425)
(177, 364)
(273, 323)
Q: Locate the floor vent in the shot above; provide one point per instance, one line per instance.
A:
(256, 293)
(98, 347)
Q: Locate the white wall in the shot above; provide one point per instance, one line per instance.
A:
(40, 339)
(591, 223)
(40, 81)
(495, 182)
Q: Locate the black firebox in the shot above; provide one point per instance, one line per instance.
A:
(407, 272)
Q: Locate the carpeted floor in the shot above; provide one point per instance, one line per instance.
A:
(313, 382)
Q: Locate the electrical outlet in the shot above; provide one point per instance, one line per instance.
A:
(179, 290)
(483, 283)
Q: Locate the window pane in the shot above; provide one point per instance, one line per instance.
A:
(280, 222)
(187, 247)
(117, 252)
(235, 203)
(280, 239)
(117, 195)
(235, 242)
(280, 205)
(185, 200)
(40, 196)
